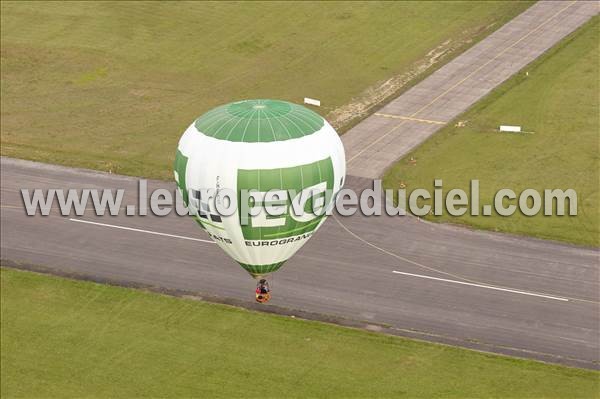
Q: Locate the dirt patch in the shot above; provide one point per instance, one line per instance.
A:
(377, 94)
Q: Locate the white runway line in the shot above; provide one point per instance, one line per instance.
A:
(140, 230)
(490, 287)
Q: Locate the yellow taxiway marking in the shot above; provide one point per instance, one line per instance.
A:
(408, 118)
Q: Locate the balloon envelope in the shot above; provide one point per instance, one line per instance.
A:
(258, 146)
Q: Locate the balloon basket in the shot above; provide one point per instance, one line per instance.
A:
(263, 298)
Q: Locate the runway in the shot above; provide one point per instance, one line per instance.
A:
(492, 292)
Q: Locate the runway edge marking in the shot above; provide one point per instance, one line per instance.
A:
(114, 226)
(556, 298)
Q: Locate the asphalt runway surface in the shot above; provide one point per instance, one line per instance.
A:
(376, 143)
(398, 275)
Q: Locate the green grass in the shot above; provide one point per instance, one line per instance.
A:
(66, 338)
(112, 86)
(559, 101)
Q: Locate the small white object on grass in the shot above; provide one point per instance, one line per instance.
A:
(509, 128)
(512, 129)
(312, 101)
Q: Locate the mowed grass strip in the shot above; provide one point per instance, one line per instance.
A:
(557, 97)
(112, 85)
(67, 338)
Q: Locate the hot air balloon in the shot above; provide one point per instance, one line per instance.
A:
(260, 146)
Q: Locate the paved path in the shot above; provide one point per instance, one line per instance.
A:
(376, 143)
(492, 292)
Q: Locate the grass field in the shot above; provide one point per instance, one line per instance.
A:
(559, 101)
(66, 338)
(112, 86)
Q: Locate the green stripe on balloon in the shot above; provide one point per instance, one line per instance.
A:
(293, 179)
(180, 167)
(257, 270)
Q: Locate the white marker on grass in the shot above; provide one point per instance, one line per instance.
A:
(312, 101)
